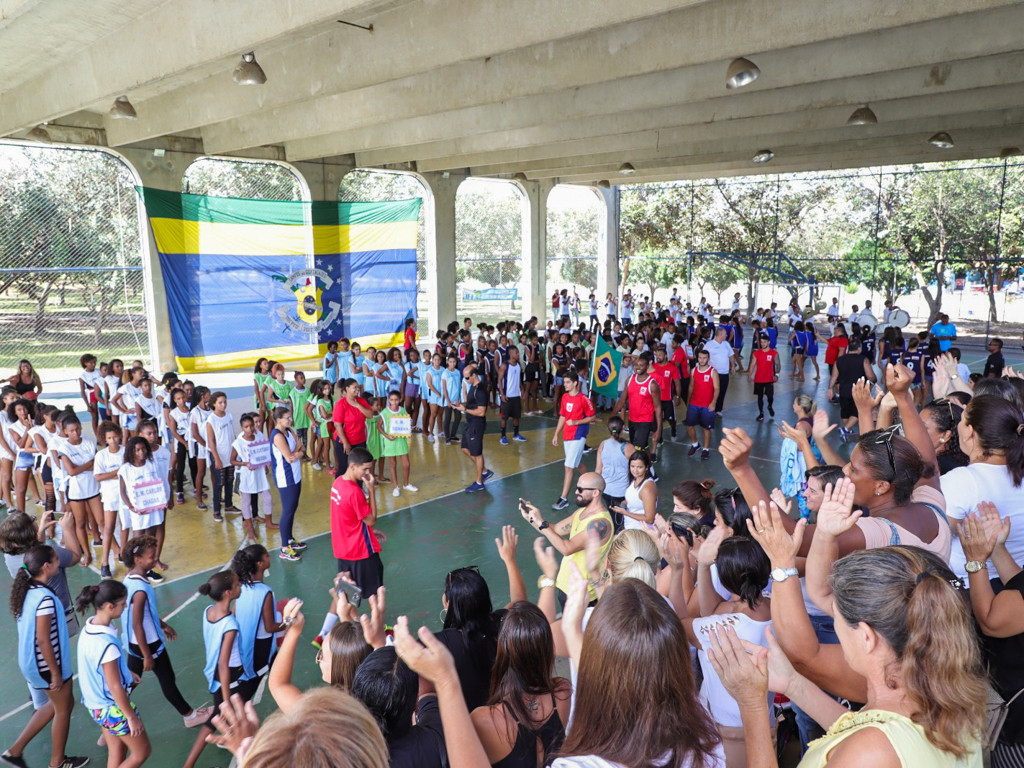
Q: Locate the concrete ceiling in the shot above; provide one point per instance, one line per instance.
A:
(565, 90)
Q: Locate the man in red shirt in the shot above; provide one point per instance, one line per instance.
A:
(764, 372)
(644, 405)
(575, 415)
(356, 545)
(670, 383)
(703, 393)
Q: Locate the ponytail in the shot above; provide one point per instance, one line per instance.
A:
(743, 568)
(633, 555)
(35, 559)
(998, 427)
(107, 591)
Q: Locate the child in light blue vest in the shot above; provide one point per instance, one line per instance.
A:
(104, 677)
(257, 616)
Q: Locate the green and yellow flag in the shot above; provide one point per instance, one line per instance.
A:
(604, 373)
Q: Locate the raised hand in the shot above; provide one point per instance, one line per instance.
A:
(708, 552)
(427, 656)
(862, 396)
(994, 526)
(674, 550)
(735, 447)
(572, 614)
(977, 542)
(836, 514)
(545, 557)
(744, 675)
(796, 435)
(781, 673)
(898, 378)
(236, 724)
(507, 544)
(820, 425)
(766, 529)
(780, 501)
(373, 625)
(292, 615)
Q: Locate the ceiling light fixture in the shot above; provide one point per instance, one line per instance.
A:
(627, 169)
(741, 72)
(604, 184)
(862, 116)
(1010, 152)
(39, 133)
(122, 109)
(942, 140)
(248, 72)
(763, 156)
(520, 177)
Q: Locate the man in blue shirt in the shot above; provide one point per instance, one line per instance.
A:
(944, 332)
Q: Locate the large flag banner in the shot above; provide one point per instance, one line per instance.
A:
(604, 374)
(278, 278)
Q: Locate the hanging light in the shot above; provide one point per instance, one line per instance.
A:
(39, 133)
(248, 72)
(763, 156)
(604, 184)
(520, 177)
(1010, 152)
(627, 169)
(122, 109)
(741, 72)
(862, 116)
(942, 140)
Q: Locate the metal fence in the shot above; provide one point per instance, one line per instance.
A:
(70, 259)
(251, 179)
(573, 223)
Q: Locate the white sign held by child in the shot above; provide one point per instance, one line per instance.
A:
(259, 454)
(400, 426)
(150, 496)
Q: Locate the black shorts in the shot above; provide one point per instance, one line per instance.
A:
(368, 573)
(640, 433)
(668, 410)
(512, 408)
(473, 437)
(532, 372)
(847, 408)
(764, 388)
(798, 351)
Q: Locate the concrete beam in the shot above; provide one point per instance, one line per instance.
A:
(417, 36)
(164, 45)
(577, 63)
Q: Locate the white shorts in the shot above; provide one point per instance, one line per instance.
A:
(200, 452)
(574, 451)
(141, 522)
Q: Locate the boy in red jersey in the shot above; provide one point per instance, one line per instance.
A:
(575, 414)
(703, 393)
(764, 372)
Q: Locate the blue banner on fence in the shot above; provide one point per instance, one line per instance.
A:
(491, 294)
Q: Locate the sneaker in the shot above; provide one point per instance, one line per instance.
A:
(71, 761)
(488, 474)
(430, 438)
(298, 546)
(97, 543)
(316, 466)
(705, 455)
(411, 488)
(693, 449)
(504, 440)
(287, 553)
(760, 417)
(654, 475)
(199, 716)
(518, 438)
(181, 498)
(474, 487)
(397, 491)
(318, 642)
(17, 760)
(844, 434)
(201, 506)
(154, 576)
(218, 517)
(232, 509)
(771, 411)
(588, 448)
(562, 503)
(105, 572)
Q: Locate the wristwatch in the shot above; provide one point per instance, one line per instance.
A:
(545, 581)
(544, 524)
(781, 574)
(973, 566)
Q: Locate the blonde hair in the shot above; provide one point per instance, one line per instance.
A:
(327, 728)
(911, 598)
(633, 555)
(806, 402)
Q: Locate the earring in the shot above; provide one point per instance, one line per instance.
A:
(444, 614)
(878, 493)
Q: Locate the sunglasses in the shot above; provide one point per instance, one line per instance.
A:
(949, 404)
(886, 438)
(584, 490)
(448, 578)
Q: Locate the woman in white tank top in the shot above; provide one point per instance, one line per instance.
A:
(641, 500)
(613, 465)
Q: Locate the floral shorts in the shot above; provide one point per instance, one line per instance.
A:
(113, 719)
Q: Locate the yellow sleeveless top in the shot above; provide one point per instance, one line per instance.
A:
(907, 738)
(580, 558)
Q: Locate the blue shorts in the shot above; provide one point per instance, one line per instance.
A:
(101, 411)
(695, 415)
(131, 421)
(24, 460)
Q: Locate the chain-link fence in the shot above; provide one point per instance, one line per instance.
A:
(573, 223)
(381, 186)
(250, 179)
(943, 237)
(71, 277)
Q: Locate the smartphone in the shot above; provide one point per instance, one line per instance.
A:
(523, 507)
(352, 593)
(683, 532)
(877, 391)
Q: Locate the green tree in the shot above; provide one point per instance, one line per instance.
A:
(719, 274)
(654, 221)
(488, 234)
(253, 180)
(572, 245)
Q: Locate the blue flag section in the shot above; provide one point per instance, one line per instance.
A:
(246, 279)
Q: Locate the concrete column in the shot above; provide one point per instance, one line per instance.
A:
(163, 172)
(323, 177)
(608, 244)
(534, 280)
(439, 220)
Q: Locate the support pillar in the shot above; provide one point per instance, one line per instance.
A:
(534, 277)
(439, 220)
(166, 173)
(323, 177)
(608, 244)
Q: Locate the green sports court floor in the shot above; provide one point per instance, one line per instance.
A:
(425, 540)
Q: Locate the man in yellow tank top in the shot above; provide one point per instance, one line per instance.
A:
(569, 536)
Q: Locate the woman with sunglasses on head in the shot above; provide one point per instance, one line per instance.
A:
(942, 419)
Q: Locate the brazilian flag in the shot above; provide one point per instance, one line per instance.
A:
(604, 374)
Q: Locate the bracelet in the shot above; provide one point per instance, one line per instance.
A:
(544, 582)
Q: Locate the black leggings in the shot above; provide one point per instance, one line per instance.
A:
(762, 390)
(164, 674)
(451, 428)
(181, 457)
